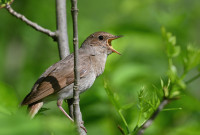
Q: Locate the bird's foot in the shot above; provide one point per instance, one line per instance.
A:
(84, 128)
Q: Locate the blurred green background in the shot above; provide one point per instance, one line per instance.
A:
(26, 53)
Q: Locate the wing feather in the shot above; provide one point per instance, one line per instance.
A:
(55, 78)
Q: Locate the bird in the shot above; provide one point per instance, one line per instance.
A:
(57, 82)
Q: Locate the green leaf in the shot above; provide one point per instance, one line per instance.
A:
(172, 72)
(192, 58)
(175, 94)
(114, 98)
(172, 49)
(127, 106)
(181, 83)
(4, 2)
(172, 109)
(165, 88)
(162, 83)
(148, 102)
(159, 91)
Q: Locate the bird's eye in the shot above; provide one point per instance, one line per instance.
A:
(100, 37)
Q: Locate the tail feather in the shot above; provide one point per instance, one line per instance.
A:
(34, 108)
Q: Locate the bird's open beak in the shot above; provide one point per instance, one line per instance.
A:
(109, 43)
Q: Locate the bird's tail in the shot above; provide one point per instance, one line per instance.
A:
(34, 108)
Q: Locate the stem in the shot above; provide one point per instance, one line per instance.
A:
(192, 79)
(77, 113)
(63, 44)
(124, 120)
(30, 23)
(147, 123)
(139, 119)
(184, 74)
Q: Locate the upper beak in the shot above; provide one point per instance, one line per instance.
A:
(109, 43)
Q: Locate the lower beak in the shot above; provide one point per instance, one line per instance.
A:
(114, 50)
(110, 46)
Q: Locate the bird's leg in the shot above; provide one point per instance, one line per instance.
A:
(59, 104)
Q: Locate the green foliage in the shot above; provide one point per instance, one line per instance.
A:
(148, 103)
(20, 124)
(114, 98)
(149, 100)
(192, 58)
(15, 121)
(4, 2)
(172, 50)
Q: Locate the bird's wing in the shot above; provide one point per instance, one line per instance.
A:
(57, 77)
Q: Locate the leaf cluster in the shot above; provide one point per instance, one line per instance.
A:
(4, 2)
(150, 99)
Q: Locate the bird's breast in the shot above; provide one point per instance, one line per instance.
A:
(84, 83)
(98, 63)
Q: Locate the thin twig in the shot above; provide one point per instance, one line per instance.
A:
(192, 79)
(77, 113)
(153, 116)
(62, 28)
(30, 23)
(121, 130)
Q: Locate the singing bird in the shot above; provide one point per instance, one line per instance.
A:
(56, 83)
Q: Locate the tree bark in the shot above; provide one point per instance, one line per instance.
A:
(63, 43)
(61, 15)
(77, 113)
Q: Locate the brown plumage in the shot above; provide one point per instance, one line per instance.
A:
(56, 83)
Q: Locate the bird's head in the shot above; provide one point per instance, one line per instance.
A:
(101, 42)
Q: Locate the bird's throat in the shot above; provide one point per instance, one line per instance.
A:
(99, 62)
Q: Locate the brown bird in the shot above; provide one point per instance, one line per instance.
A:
(56, 83)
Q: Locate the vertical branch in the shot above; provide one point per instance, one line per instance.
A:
(76, 92)
(63, 44)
